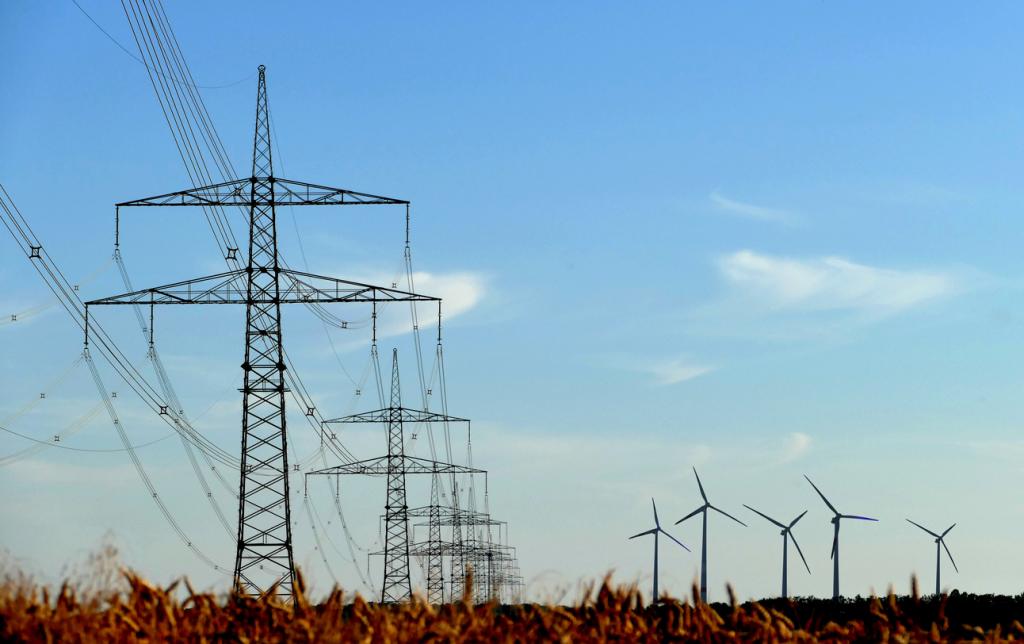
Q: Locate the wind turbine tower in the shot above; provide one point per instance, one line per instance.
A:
(655, 530)
(703, 510)
(836, 518)
(940, 543)
(787, 533)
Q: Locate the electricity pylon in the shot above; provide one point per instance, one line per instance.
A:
(397, 585)
(435, 548)
(263, 558)
(395, 466)
(494, 564)
(435, 560)
(467, 554)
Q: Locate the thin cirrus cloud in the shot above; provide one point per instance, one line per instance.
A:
(460, 292)
(751, 211)
(674, 371)
(833, 284)
(794, 447)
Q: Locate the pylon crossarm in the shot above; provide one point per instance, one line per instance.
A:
(236, 192)
(407, 416)
(464, 517)
(474, 522)
(287, 192)
(299, 193)
(444, 511)
(409, 464)
(229, 288)
(221, 288)
(308, 287)
(423, 548)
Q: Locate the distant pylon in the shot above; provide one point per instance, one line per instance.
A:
(397, 586)
(459, 567)
(435, 565)
(395, 465)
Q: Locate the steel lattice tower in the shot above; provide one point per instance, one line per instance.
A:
(493, 576)
(395, 466)
(459, 567)
(263, 557)
(264, 520)
(435, 560)
(397, 585)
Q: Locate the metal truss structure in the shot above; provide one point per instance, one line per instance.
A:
(263, 560)
(492, 565)
(396, 465)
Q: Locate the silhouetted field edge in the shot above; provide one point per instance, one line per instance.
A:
(139, 610)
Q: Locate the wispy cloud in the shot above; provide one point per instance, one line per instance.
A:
(999, 450)
(833, 284)
(674, 371)
(666, 459)
(794, 447)
(459, 291)
(663, 370)
(752, 211)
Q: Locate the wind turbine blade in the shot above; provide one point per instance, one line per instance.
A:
(947, 530)
(677, 540)
(835, 544)
(924, 528)
(703, 496)
(763, 515)
(656, 522)
(949, 554)
(856, 516)
(793, 522)
(720, 511)
(830, 506)
(802, 558)
(646, 532)
(692, 514)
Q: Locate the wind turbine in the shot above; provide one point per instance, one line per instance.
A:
(786, 534)
(704, 539)
(655, 530)
(940, 542)
(835, 540)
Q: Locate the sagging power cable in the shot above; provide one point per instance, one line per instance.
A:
(68, 297)
(119, 428)
(142, 62)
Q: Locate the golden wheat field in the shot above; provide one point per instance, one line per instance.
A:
(141, 611)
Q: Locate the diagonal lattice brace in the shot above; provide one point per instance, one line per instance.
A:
(295, 287)
(286, 192)
(379, 467)
(407, 416)
(264, 546)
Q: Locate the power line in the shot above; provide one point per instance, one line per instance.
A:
(119, 428)
(83, 449)
(264, 535)
(142, 62)
(68, 298)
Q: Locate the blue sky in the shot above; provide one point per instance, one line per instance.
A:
(765, 240)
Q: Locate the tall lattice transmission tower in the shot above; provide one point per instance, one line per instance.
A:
(263, 558)
(395, 466)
